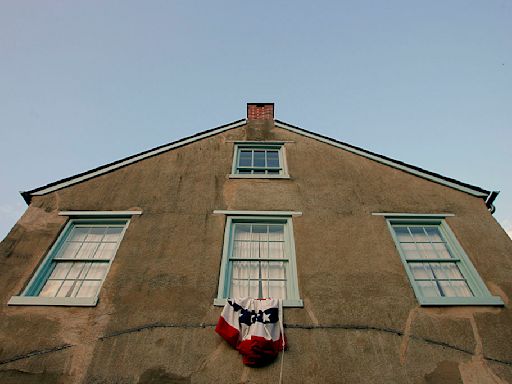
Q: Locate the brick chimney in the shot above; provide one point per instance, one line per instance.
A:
(260, 111)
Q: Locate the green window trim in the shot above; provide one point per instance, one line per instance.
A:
(288, 259)
(74, 269)
(257, 160)
(452, 257)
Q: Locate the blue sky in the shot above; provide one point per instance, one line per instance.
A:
(84, 83)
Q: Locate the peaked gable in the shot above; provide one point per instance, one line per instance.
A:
(414, 170)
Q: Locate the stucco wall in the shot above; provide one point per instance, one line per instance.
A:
(155, 317)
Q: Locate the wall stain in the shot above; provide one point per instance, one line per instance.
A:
(407, 335)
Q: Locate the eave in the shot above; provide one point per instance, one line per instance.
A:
(397, 164)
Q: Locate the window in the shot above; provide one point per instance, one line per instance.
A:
(439, 270)
(259, 260)
(76, 266)
(259, 160)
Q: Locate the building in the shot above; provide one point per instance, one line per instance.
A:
(390, 273)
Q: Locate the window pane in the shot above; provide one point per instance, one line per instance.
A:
(245, 270)
(66, 288)
(244, 171)
(242, 231)
(402, 234)
(433, 234)
(256, 249)
(273, 270)
(87, 250)
(240, 270)
(88, 288)
(96, 234)
(419, 234)
(263, 250)
(97, 271)
(254, 289)
(239, 288)
(276, 232)
(106, 251)
(273, 171)
(276, 250)
(245, 159)
(50, 288)
(61, 270)
(446, 271)
(428, 288)
(113, 234)
(259, 158)
(410, 250)
(260, 232)
(69, 250)
(426, 251)
(461, 289)
(421, 271)
(75, 271)
(242, 249)
(277, 289)
(78, 234)
(272, 159)
(442, 251)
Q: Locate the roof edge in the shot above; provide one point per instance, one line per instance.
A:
(417, 171)
(409, 168)
(75, 179)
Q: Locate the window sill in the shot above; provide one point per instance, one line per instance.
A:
(57, 301)
(291, 303)
(456, 301)
(238, 176)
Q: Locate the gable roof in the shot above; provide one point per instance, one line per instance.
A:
(417, 171)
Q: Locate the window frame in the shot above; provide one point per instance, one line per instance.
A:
(252, 145)
(292, 290)
(29, 295)
(482, 296)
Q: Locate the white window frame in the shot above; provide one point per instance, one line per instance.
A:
(253, 145)
(292, 289)
(482, 296)
(29, 296)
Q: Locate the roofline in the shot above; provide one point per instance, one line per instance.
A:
(412, 169)
(417, 171)
(27, 195)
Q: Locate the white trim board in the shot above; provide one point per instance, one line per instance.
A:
(99, 213)
(257, 213)
(476, 191)
(412, 215)
(381, 160)
(92, 174)
(60, 301)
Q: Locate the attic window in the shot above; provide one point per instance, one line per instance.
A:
(259, 160)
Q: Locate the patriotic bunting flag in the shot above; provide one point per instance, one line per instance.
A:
(254, 327)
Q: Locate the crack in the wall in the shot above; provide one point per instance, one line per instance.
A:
(35, 353)
(442, 344)
(506, 362)
(354, 327)
(153, 326)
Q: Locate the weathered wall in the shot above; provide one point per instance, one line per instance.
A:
(155, 317)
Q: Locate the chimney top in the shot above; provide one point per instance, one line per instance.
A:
(260, 111)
